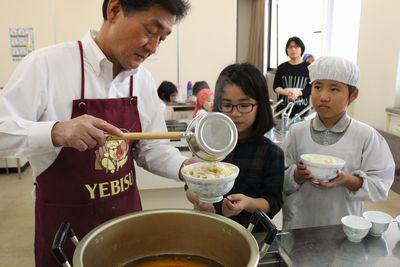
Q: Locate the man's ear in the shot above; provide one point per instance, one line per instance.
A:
(114, 8)
(353, 96)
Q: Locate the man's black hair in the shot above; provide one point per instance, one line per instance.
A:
(165, 90)
(199, 85)
(297, 41)
(178, 8)
(254, 84)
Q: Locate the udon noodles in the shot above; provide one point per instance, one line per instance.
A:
(321, 159)
(212, 171)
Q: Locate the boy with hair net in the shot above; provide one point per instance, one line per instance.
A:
(369, 170)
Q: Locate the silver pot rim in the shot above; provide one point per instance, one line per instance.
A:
(253, 245)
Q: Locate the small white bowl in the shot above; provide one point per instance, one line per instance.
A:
(323, 167)
(210, 190)
(380, 222)
(355, 227)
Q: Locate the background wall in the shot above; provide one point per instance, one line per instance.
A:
(23, 14)
(378, 58)
(207, 36)
(243, 29)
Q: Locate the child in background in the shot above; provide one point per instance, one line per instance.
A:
(198, 86)
(204, 102)
(308, 58)
(369, 170)
(167, 92)
(196, 89)
(241, 93)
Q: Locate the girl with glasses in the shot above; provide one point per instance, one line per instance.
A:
(241, 93)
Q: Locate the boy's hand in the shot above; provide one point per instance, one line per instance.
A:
(302, 174)
(234, 204)
(351, 182)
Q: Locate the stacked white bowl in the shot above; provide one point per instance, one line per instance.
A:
(380, 222)
(355, 227)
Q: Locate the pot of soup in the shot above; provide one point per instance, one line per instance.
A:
(162, 237)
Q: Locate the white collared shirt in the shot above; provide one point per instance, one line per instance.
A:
(40, 93)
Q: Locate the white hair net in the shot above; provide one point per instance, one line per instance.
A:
(334, 68)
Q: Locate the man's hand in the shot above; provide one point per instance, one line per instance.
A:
(302, 174)
(351, 182)
(197, 204)
(187, 162)
(234, 204)
(82, 133)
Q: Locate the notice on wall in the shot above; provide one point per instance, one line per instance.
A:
(21, 42)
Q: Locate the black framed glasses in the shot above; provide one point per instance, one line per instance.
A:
(242, 107)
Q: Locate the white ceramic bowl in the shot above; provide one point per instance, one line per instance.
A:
(210, 190)
(323, 167)
(355, 227)
(380, 221)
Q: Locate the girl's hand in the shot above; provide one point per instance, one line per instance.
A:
(302, 174)
(234, 204)
(351, 182)
(197, 204)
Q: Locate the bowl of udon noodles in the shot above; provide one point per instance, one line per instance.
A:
(210, 180)
(323, 167)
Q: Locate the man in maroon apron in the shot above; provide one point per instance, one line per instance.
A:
(88, 188)
(92, 181)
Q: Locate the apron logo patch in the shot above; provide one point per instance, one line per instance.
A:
(111, 188)
(112, 156)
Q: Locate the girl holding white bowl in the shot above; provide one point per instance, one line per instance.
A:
(369, 167)
(241, 93)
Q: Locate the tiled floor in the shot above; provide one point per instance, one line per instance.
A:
(17, 214)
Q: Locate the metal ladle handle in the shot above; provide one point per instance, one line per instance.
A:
(149, 135)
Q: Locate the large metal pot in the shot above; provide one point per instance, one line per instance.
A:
(126, 238)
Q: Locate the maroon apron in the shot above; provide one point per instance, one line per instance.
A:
(91, 187)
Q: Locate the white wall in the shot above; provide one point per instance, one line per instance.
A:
(342, 28)
(378, 59)
(243, 29)
(52, 21)
(207, 36)
(207, 40)
(23, 14)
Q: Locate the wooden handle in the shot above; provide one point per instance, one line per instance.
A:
(141, 136)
